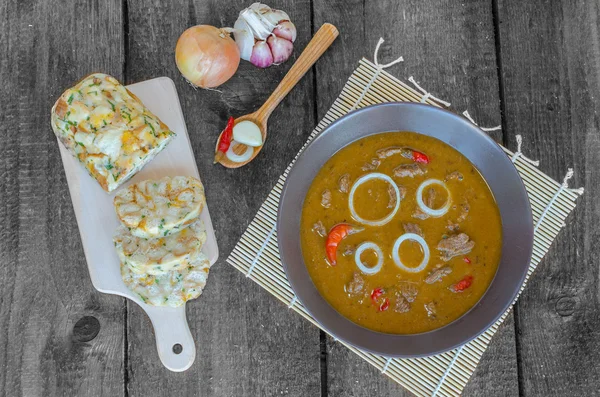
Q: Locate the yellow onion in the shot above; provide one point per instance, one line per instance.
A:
(206, 56)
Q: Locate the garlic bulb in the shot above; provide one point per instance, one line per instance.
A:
(263, 35)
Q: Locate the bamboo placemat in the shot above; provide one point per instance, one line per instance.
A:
(256, 254)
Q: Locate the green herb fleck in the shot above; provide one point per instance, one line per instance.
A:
(166, 299)
(80, 144)
(127, 114)
(143, 216)
(70, 99)
(109, 166)
(156, 281)
(169, 204)
(112, 105)
(151, 126)
(144, 299)
(104, 122)
(165, 233)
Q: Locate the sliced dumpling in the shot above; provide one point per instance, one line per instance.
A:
(159, 208)
(172, 288)
(159, 255)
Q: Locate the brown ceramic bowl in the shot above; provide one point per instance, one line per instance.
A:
(495, 167)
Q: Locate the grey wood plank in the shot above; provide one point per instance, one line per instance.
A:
(58, 336)
(551, 70)
(248, 343)
(449, 49)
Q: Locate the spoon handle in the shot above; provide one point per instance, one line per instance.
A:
(313, 51)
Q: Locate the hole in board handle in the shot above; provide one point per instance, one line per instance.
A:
(177, 348)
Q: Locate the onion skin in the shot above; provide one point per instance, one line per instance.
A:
(206, 56)
(280, 48)
(261, 55)
(285, 30)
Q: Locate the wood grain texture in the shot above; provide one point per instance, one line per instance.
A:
(448, 47)
(248, 343)
(551, 70)
(46, 289)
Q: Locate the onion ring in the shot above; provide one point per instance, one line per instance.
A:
(360, 181)
(422, 243)
(362, 248)
(430, 211)
(239, 158)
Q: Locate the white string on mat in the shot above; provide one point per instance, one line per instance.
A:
(443, 378)
(427, 95)
(518, 153)
(563, 186)
(387, 364)
(378, 70)
(260, 251)
(486, 129)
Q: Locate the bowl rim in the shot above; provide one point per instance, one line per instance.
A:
(502, 178)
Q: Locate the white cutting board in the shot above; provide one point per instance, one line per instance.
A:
(97, 220)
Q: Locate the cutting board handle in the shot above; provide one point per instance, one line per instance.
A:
(174, 342)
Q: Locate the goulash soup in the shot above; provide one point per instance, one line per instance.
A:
(400, 233)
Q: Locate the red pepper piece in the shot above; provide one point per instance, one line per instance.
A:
(225, 140)
(467, 260)
(377, 292)
(335, 236)
(385, 305)
(462, 284)
(419, 157)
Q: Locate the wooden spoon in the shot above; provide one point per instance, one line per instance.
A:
(313, 51)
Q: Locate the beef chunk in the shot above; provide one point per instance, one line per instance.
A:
(409, 170)
(454, 176)
(319, 229)
(430, 196)
(420, 214)
(393, 150)
(349, 250)
(430, 308)
(393, 197)
(388, 152)
(326, 198)
(413, 228)
(344, 183)
(456, 245)
(437, 274)
(356, 286)
(409, 291)
(402, 191)
(372, 165)
(402, 305)
(428, 200)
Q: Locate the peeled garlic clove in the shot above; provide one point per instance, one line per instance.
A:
(261, 55)
(280, 48)
(285, 30)
(248, 133)
(243, 38)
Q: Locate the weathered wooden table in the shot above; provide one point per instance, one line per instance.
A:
(532, 66)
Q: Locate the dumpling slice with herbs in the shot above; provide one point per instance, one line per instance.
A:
(172, 288)
(159, 208)
(159, 255)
